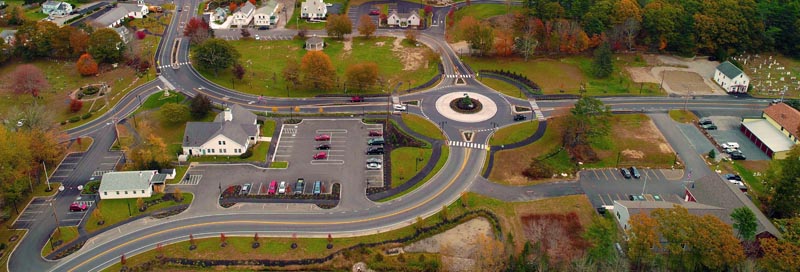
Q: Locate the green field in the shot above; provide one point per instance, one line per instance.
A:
(514, 133)
(158, 99)
(485, 11)
(117, 210)
(67, 235)
(502, 87)
(422, 126)
(436, 168)
(268, 128)
(682, 116)
(407, 162)
(267, 80)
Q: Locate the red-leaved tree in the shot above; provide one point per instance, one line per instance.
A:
(197, 30)
(28, 79)
(86, 65)
(239, 71)
(75, 105)
(140, 34)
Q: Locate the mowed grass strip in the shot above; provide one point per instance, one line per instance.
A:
(682, 116)
(502, 87)
(485, 11)
(509, 164)
(422, 126)
(68, 234)
(117, 210)
(265, 61)
(514, 133)
(439, 164)
(268, 128)
(158, 99)
(635, 139)
(407, 162)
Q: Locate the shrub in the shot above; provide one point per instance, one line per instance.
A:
(74, 119)
(91, 90)
(538, 170)
(247, 154)
(86, 116)
(75, 105)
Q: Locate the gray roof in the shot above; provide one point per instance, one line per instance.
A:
(247, 8)
(238, 129)
(159, 178)
(404, 15)
(126, 180)
(314, 40)
(119, 12)
(729, 70)
(268, 8)
(636, 207)
(713, 190)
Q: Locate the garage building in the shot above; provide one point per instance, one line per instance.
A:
(776, 132)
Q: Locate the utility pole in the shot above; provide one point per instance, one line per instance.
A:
(46, 178)
(55, 215)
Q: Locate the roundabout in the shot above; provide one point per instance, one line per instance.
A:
(454, 106)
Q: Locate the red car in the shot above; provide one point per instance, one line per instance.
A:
(75, 207)
(273, 186)
(375, 12)
(321, 156)
(375, 133)
(356, 99)
(322, 137)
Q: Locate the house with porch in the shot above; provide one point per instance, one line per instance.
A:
(313, 10)
(410, 19)
(266, 16)
(231, 133)
(244, 15)
(776, 132)
(56, 8)
(127, 184)
(731, 78)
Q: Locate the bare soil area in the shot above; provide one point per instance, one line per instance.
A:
(679, 75)
(558, 235)
(412, 58)
(459, 244)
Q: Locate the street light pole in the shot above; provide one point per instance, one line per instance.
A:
(46, 178)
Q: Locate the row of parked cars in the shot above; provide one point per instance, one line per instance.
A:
(630, 172)
(707, 124)
(281, 188)
(732, 148)
(375, 145)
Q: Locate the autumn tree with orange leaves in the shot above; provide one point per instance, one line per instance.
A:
(504, 44)
(317, 71)
(642, 239)
(366, 26)
(86, 65)
(779, 255)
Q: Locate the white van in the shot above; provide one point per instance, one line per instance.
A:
(730, 145)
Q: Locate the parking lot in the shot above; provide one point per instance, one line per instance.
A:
(40, 209)
(728, 131)
(603, 186)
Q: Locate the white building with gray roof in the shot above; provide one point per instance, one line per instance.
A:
(127, 184)
(232, 133)
(116, 15)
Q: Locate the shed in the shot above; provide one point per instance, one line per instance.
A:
(315, 44)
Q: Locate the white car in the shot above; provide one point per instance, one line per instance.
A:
(730, 145)
(374, 160)
(282, 187)
(400, 107)
(373, 166)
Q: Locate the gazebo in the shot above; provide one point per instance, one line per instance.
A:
(315, 44)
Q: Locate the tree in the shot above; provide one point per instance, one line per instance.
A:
(411, 35)
(366, 26)
(16, 15)
(75, 105)
(602, 66)
(601, 235)
(140, 203)
(744, 221)
(47, 147)
(78, 41)
(660, 20)
(626, 9)
(198, 30)
(86, 65)
(200, 106)
(339, 25)
(362, 76)
(177, 195)
(5, 51)
(490, 254)
(779, 255)
(479, 36)
(783, 186)
(106, 46)
(526, 43)
(428, 11)
(588, 120)
(317, 70)
(504, 44)
(28, 79)
(291, 73)
(60, 42)
(443, 214)
(238, 71)
(174, 113)
(215, 55)
(642, 239)
(140, 35)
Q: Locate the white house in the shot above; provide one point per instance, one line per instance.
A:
(126, 184)
(244, 15)
(313, 9)
(56, 8)
(115, 16)
(232, 132)
(265, 16)
(220, 14)
(403, 19)
(731, 78)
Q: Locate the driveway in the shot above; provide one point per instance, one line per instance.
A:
(728, 131)
(604, 186)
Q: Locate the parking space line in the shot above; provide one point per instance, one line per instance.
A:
(604, 174)
(601, 199)
(613, 174)
(595, 175)
(659, 174)
(327, 162)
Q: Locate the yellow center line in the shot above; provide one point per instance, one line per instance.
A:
(450, 183)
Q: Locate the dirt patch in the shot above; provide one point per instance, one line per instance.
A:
(458, 245)
(557, 234)
(683, 82)
(642, 74)
(632, 154)
(678, 75)
(412, 58)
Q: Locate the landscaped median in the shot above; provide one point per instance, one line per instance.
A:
(59, 238)
(113, 211)
(514, 133)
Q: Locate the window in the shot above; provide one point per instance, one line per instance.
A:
(143, 191)
(105, 193)
(134, 192)
(126, 192)
(221, 142)
(618, 217)
(117, 192)
(210, 150)
(221, 150)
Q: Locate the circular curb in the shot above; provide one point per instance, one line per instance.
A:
(488, 111)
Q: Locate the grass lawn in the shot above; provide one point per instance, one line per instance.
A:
(682, 116)
(41, 189)
(752, 172)
(514, 133)
(172, 134)
(180, 171)
(115, 210)
(67, 235)
(296, 23)
(259, 155)
(239, 247)
(279, 164)
(405, 165)
(485, 11)
(502, 87)
(422, 126)
(268, 80)
(436, 168)
(636, 141)
(155, 23)
(86, 143)
(63, 79)
(5, 235)
(509, 164)
(268, 128)
(567, 74)
(158, 99)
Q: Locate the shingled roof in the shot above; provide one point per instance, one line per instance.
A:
(729, 70)
(241, 126)
(786, 116)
